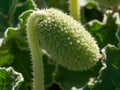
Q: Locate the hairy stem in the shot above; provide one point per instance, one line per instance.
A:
(38, 73)
(75, 9)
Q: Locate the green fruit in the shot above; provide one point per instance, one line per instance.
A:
(108, 3)
(68, 43)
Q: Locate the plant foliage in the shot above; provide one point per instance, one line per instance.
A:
(102, 22)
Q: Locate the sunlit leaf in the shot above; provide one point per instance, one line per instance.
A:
(10, 79)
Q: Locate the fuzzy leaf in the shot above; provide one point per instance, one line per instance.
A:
(104, 32)
(6, 58)
(15, 41)
(10, 79)
(109, 78)
(10, 11)
(68, 79)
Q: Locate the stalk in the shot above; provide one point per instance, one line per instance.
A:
(38, 73)
(75, 9)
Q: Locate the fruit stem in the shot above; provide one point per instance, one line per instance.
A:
(38, 73)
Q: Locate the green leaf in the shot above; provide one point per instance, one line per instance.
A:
(49, 69)
(68, 79)
(10, 11)
(6, 58)
(113, 54)
(60, 4)
(104, 32)
(91, 12)
(14, 48)
(118, 35)
(109, 78)
(10, 79)
(16, 42)
(21, 7)
(41, 3)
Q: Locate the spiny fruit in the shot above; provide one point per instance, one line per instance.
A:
(108, 3)
(68, 43)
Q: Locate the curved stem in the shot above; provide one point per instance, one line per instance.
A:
(75, 9)
(38, 73)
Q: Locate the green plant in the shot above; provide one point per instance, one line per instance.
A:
(109, 3)
(63, 38)
(15, 51)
